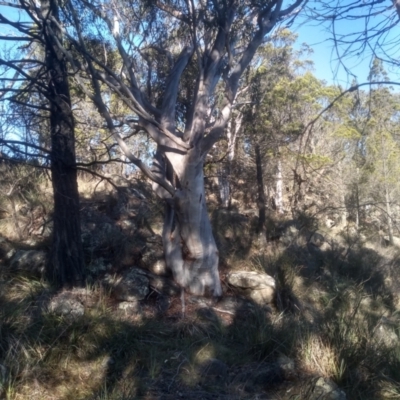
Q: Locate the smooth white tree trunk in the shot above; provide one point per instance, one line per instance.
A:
(279, 186)
(225, 171)
(190, 249)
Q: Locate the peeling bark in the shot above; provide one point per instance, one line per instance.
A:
(190, 249)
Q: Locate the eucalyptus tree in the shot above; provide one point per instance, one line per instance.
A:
(174, 55)
(382, 147)
(284, 97)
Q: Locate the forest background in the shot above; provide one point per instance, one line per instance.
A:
(151, 151)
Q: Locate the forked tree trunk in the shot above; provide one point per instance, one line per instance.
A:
(189, 246)
(65, 263)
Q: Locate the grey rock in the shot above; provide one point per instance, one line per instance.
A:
(386, 336)
(317, 239)
(29, 261)
(263, 295)
(325, 389)
(67, 305)
(133, 286)
(163, 303)
(289, 235)
(153, 258)
(130, 307)
(287, 367)
(257, 286)
(250, 279)
(97, 236)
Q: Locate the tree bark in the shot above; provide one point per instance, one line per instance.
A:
(279, 194)
(389, 216)
(189, 246)
(387, 195)
(260, 189)
(224, 172)
(65, 266)
(343, 215)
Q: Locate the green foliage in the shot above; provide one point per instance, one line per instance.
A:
(347, 132)
(316, 160)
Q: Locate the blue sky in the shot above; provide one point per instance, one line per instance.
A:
(318, 37)
(326, 61)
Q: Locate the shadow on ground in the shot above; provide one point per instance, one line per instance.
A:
(335, 317)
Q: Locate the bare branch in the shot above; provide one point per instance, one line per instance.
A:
(171, 90)
(171, 11)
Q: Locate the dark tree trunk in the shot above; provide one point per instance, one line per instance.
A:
(260, 188)
(65, 265)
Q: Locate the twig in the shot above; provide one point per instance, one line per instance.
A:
(177, 372)
(183, 302)
(223, 311)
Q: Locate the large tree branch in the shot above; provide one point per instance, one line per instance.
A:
(172, 11)
(21, 143)
(171, 89)
(208, 78)
(132, 98)
(267, 20)
(124, 147)
(396, 4)
(20, 70)
(21, 27)
(113, 26)
(292, 8)
(98, 100)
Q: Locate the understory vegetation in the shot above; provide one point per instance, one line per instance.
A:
(336, 314)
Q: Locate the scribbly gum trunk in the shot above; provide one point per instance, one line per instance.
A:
(190, 249)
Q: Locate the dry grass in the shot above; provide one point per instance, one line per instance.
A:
(336, 315)
(107, 355)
